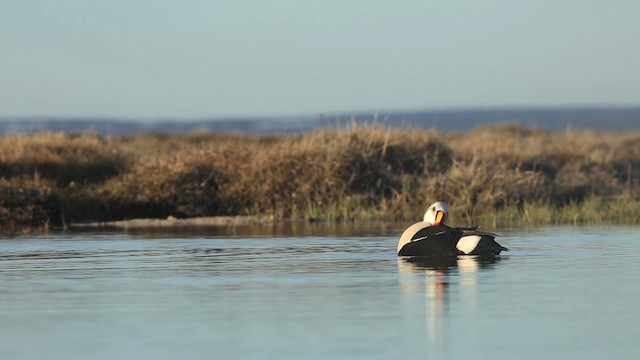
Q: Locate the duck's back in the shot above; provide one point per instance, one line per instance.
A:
(479, 243)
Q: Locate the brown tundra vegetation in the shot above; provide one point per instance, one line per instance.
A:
(498, 174)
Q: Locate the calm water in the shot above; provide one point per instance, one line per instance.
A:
(561, 293)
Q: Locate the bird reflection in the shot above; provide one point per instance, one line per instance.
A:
(438, 275)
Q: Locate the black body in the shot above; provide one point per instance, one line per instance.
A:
(441, 240)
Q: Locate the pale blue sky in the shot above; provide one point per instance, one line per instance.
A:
(185, 59)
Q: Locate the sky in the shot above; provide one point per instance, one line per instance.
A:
(238, 58)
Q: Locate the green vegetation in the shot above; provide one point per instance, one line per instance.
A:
(500, 174)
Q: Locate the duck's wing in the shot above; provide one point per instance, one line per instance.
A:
(431, 241)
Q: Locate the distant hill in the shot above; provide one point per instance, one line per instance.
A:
(556, 119)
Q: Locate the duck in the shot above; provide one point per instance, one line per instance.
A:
(433, 237)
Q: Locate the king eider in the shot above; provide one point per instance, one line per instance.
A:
(432, 237)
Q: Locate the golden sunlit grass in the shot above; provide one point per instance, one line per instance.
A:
(504, 173)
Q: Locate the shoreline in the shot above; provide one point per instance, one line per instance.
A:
(170, 222)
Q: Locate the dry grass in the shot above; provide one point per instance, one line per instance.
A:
(498, 173)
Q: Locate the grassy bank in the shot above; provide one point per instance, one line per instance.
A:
(494, 174)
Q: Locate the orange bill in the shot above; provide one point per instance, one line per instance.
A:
(439, 217)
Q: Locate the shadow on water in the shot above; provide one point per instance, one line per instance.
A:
(446, 263)
(440, 282)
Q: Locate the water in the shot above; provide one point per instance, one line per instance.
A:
(561, 293)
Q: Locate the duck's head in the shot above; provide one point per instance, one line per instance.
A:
(437, 213)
